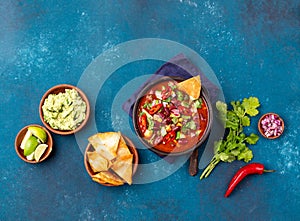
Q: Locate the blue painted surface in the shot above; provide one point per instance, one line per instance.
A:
(253, 48)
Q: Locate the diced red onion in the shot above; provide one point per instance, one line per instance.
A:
(157, 140)
(183, 141)
(175, 112)
(271, 125)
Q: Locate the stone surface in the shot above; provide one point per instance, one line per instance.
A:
(252, 47)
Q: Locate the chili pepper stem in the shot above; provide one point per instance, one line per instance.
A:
(269, 171)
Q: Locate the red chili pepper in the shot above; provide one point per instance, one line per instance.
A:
(154, 109)
(252, 168)
(169, 137)
(143, 123)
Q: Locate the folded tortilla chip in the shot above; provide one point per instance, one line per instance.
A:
(123, 167)
(98, 162)
(122, 148)
(107, 177)
(106, 144)
(191, 86)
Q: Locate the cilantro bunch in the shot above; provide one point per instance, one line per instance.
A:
(234, 145)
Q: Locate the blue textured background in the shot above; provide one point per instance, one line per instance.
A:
(253, 48)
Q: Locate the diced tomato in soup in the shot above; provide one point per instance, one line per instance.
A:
(169, 119)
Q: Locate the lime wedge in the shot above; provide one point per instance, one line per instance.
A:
(26, 137)
(39, 133)
(30, 145)
(40, 149)
(30, 156)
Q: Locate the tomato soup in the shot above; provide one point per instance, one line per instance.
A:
(169, 120)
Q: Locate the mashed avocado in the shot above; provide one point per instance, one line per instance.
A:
(64, 111)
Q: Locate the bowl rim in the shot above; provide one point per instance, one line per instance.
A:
(18, 143)
(204, 94)
(132, 150)
(260, 129)
(63, 87)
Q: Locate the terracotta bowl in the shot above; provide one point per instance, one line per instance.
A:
(263, 130)
(20, 137)
(55, 90)
(132, 149)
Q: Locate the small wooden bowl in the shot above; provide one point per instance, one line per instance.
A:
(20, 137)
(55, 90)
(261, 130)
(132, 149)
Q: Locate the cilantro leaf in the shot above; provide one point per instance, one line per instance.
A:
(238, 108)
(251, 104)
(245, 121)
(226, 157)
(252, 139)
(218, 146)
(232, 120)
(222, 108)
(235, 152)
(246, 155)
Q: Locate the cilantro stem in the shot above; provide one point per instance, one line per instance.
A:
(213, 163)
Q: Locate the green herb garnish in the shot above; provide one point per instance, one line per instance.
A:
(177, 135)
(179, 95)
(147, 105)
(234, 145)
(198, 103)
(150, 123)
(191, 125)
(168, 100)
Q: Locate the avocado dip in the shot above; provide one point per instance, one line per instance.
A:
(64, 111)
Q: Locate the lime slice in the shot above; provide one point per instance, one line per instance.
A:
(30, 156)
(39, 133)
(26, 137)
(30, 145)
(40, 149)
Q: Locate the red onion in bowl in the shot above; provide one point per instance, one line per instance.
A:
(270, 125)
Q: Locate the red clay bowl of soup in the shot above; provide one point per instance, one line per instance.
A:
(168, 121)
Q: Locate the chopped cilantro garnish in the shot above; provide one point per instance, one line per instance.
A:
(168, 100)
(191, 125)
(179, 95)
(185, 104)
(177, 135)
(198, 103)
(147, 105)
(150, 123)
(175, 120)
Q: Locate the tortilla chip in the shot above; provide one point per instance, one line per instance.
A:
(98, 162)
(107, 177)
(191, 86)
(106, 144)
(123, 167)
(98, 180)
(122, 148)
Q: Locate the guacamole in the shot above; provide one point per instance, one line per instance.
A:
(64, 111)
